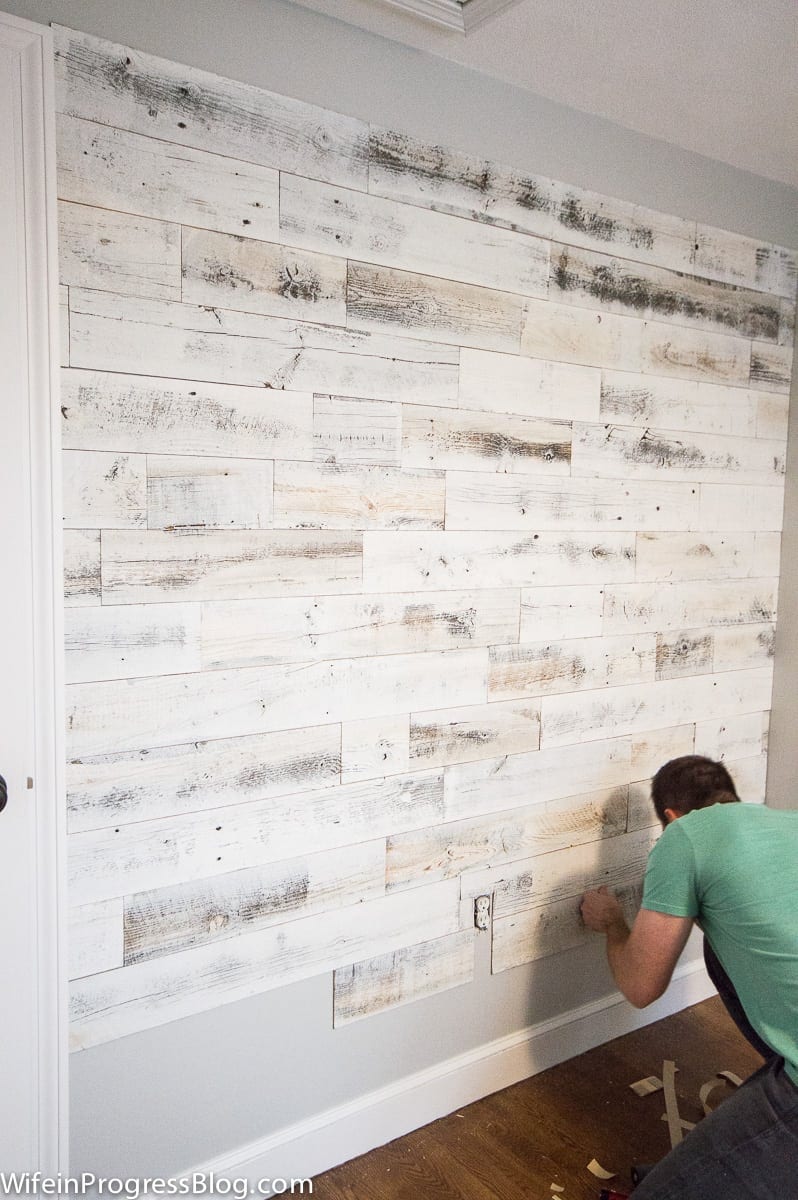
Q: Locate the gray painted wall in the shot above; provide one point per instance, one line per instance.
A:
(178, 1095)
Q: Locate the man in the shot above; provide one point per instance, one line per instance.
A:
(732, 869)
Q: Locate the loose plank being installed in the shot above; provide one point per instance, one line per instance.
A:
(123, 171)
(333, 496)
(115, 1003)
(183, 341)
(447, 439)
(105, 82)
(143, 785)
(139, 414)
(590, 280)
(114, 252)
(408, 974)
(143, 567)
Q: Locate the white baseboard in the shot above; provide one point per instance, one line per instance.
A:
(308, 1147)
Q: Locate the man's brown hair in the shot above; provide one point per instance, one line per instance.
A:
(691, 782)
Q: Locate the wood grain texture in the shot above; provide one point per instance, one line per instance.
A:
(677, 556)
(236, 272)
(96, 938)
(733, 738)
(376, 747)
(403, 561)
(113, 642)
(772, 415)
(104, 490)
(561, 612)
(350, 496)
(136, 414)
(734, 258)
(406, 975)
(183, 341)
(170, 919)
(590, 280)
(187, 564)
(144, 855)
(82, 581)
(655, 746)
(116, 252)
(511, 383)
(166, 710)
(295, 630)
(112, 84)
(456, 735)
(115, 169)
(121, 787)
(641, 607)
(347, 431)
(379, 231)
(437, 310)
(750, 778)
(446, 439)
(208, 493)
(544, 668)
(683, 404)
(114, 1003)
(771, 367)
(476, 501)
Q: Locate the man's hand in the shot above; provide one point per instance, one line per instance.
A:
(601, 911)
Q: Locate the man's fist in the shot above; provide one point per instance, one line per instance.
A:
(600, 910)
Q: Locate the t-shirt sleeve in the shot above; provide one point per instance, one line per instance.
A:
(670, 882)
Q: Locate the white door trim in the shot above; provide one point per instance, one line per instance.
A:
(32, 45)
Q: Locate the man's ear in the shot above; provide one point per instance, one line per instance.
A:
(672, 814)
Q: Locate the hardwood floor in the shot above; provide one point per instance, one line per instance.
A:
(515, 1144)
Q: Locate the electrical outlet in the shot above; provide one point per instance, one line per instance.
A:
(482, 912)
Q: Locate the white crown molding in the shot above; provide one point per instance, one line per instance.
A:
(460, 15)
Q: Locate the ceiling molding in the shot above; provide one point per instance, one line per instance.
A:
(460, 15)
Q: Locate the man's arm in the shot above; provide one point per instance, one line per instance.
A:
(641, 958)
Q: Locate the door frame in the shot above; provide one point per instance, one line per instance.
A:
(32, 44)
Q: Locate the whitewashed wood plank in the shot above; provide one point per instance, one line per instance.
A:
(357, 431)
(63, 323)
(374, 230)
(349, 496)
(632, 708)
(510, 383)
(724, 506)
(133, 714)
(456, 735)
(621, 452)
(269, 632)
(688, 652)
(590, 280)
(129, 414)
(96, 938)
(116, 252)
(477, 501)
(682, 404)
(561, 612)
(540, 932)
(375, 747)
(104, 490)
(640, 607)
(447, 439)
(209, 493)
(750, 778)
(146, 855)
(657, 746)
(145, 785)
(787, 309)
(403, 561)
(119, 333)
(415, 172)
(767, 554)
(437, 310)
(406, 975)
(579, 336)
(732, 738)
(699, 556)
(741, 646)
(301, 630)
(772, 415)
(262, 277)
(442, 852)
(734, 258)
(145, 995)
(544, 668)
(118, 86)
(771, 367)
(478, 789)
(82, 583)
(549, 878)
(151, 565)
(695, 354)
(168, 920)
(119, 641)
(115, 169)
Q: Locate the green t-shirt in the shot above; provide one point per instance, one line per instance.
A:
(734, 867)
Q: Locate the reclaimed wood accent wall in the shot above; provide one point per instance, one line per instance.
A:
(416, 511)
